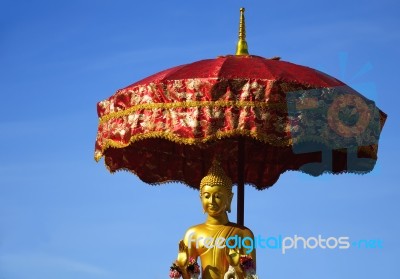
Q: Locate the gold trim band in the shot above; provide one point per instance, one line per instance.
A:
(189, 104)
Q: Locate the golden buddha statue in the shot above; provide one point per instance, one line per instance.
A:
(213, 240)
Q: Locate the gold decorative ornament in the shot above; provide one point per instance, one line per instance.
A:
(241, 48)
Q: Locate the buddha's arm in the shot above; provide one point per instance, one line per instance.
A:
(248, 248)
(183, 259)
(191, 242)
(250, 251)
(187, 250)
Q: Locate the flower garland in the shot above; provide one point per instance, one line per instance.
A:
(248, 266)
(174, 271)
(193, 269)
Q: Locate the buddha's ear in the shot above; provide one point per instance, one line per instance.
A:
(230, 202)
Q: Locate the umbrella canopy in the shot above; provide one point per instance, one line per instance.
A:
(260, 117)
(169, 126)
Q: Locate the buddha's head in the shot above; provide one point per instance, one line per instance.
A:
(216, 191)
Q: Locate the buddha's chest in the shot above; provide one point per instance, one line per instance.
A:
(207, 239)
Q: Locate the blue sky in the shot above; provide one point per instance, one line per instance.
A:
(64, 216)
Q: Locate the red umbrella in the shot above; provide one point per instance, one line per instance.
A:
(260, 117)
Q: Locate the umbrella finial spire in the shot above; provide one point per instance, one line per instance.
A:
(241, 48)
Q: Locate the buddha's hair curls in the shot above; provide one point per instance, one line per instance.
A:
(216, 177)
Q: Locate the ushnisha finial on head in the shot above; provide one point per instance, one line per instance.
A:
(216, 177)
(241, 48)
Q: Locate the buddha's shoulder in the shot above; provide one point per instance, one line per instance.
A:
(200, 229)
(194, 229)
(245, 231)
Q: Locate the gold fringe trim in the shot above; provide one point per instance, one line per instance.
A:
(218, 136)
(189, 104)
(190, 141)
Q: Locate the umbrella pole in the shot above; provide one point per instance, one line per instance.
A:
(240, 190)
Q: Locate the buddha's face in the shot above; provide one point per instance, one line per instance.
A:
(215, 200)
